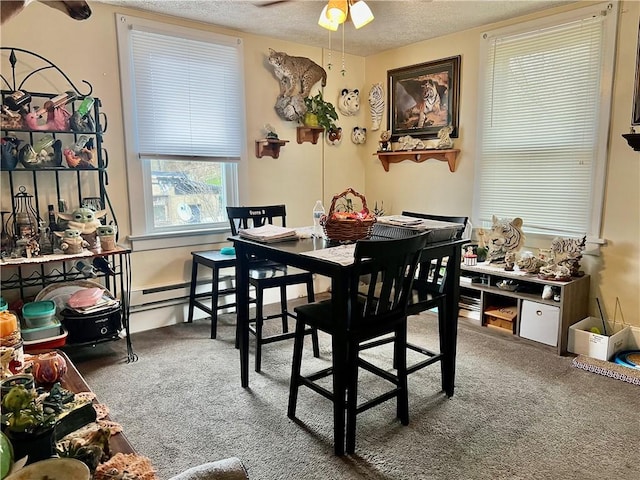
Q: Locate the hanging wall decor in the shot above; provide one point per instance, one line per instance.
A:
(349, 102)
(359, 135)
(424, 98)
(376, 105)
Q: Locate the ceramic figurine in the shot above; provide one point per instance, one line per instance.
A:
(48, 368)
(376, 105)
(349, 102)
(409, 143)
(334, 136)
(443, 142)
(107, 237)
(529, 263)
(504, 236)
(359, 135)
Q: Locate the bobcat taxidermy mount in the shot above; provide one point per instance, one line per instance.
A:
(74, 10)
(296, 74)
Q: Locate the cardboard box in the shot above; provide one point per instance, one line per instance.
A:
(602, 347)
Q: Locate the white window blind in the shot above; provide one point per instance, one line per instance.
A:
(187, 94)
(543, 125)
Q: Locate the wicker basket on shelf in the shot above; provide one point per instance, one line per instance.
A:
(348, 229)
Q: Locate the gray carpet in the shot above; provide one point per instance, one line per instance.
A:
(519, 411)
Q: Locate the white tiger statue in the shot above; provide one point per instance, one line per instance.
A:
(376, 105)
(504, 236)
(349, 102)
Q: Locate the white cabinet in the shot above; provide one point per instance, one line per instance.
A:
(540, 322)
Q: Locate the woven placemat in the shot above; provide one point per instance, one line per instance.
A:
(608, 369)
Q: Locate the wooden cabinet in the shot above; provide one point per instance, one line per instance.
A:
(545, 321)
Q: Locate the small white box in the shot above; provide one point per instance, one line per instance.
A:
(602, 347)
(539, 322)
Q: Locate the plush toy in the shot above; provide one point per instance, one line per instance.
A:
(385, 141)
(83, 219)
(72, 242)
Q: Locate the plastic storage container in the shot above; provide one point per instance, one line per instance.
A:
(41, 333)
(39, 314)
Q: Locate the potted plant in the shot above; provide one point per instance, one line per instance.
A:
(324, 112)
(28, 426)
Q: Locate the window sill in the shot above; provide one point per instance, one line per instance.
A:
(159, 241)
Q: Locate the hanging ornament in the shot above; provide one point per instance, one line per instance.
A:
(329, 65)
(343, 71)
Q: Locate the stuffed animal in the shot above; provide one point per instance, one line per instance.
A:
(72, 242)
(349, 102)
(359, 135)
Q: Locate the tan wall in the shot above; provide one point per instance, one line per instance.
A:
(304, 173)
(429, 186)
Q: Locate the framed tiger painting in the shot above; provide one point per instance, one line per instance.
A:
(423, 98)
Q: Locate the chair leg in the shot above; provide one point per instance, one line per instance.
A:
(401, 360)
(215, 286)
(259, 322)
(314, 331)
(352, 396)
(284, 311)
(442, 326)
(296, 365)
(192, 289)
(339, 359)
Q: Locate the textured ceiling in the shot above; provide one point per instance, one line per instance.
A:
(397, 22)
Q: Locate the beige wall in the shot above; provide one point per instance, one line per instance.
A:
(305, 173)
(429, 186)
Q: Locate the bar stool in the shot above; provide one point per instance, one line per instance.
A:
(216, 261)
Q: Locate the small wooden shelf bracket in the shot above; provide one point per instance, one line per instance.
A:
(269, 147)
(419, 156)
(308, 134)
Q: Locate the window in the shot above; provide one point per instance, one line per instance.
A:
(184, 124)
(544, 122)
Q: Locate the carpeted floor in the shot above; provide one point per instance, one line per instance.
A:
(519, 411)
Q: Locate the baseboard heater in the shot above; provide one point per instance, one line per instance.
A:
(163, 296)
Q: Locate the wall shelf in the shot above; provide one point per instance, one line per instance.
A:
(308, 134)
(633, 139)
(269, 147)
(419, 156)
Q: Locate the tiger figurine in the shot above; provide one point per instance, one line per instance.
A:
(504, 236)
(376, 105)
(297, 75)
(567, 252)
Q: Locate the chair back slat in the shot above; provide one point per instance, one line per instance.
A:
(252, 217)
(388, 267)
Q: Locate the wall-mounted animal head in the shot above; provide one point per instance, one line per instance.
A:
(359, 135)
(334, 136)
(74, 10)
(349, 102)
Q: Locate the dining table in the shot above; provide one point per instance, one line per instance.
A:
(322, 257)
(319, 256)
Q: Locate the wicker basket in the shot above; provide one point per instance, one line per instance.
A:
(346, 230)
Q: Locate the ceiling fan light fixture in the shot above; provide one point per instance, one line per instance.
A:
(337, 11)
(325, 22)
(360, 13)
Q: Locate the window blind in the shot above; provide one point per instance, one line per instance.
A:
(541, 111)
(187, 94)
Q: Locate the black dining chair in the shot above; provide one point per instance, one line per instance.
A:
(265, 275)
(388, 266)
(428, 292)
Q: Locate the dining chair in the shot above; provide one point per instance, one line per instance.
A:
(265, 275)
(428, 293)
(389, 268)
